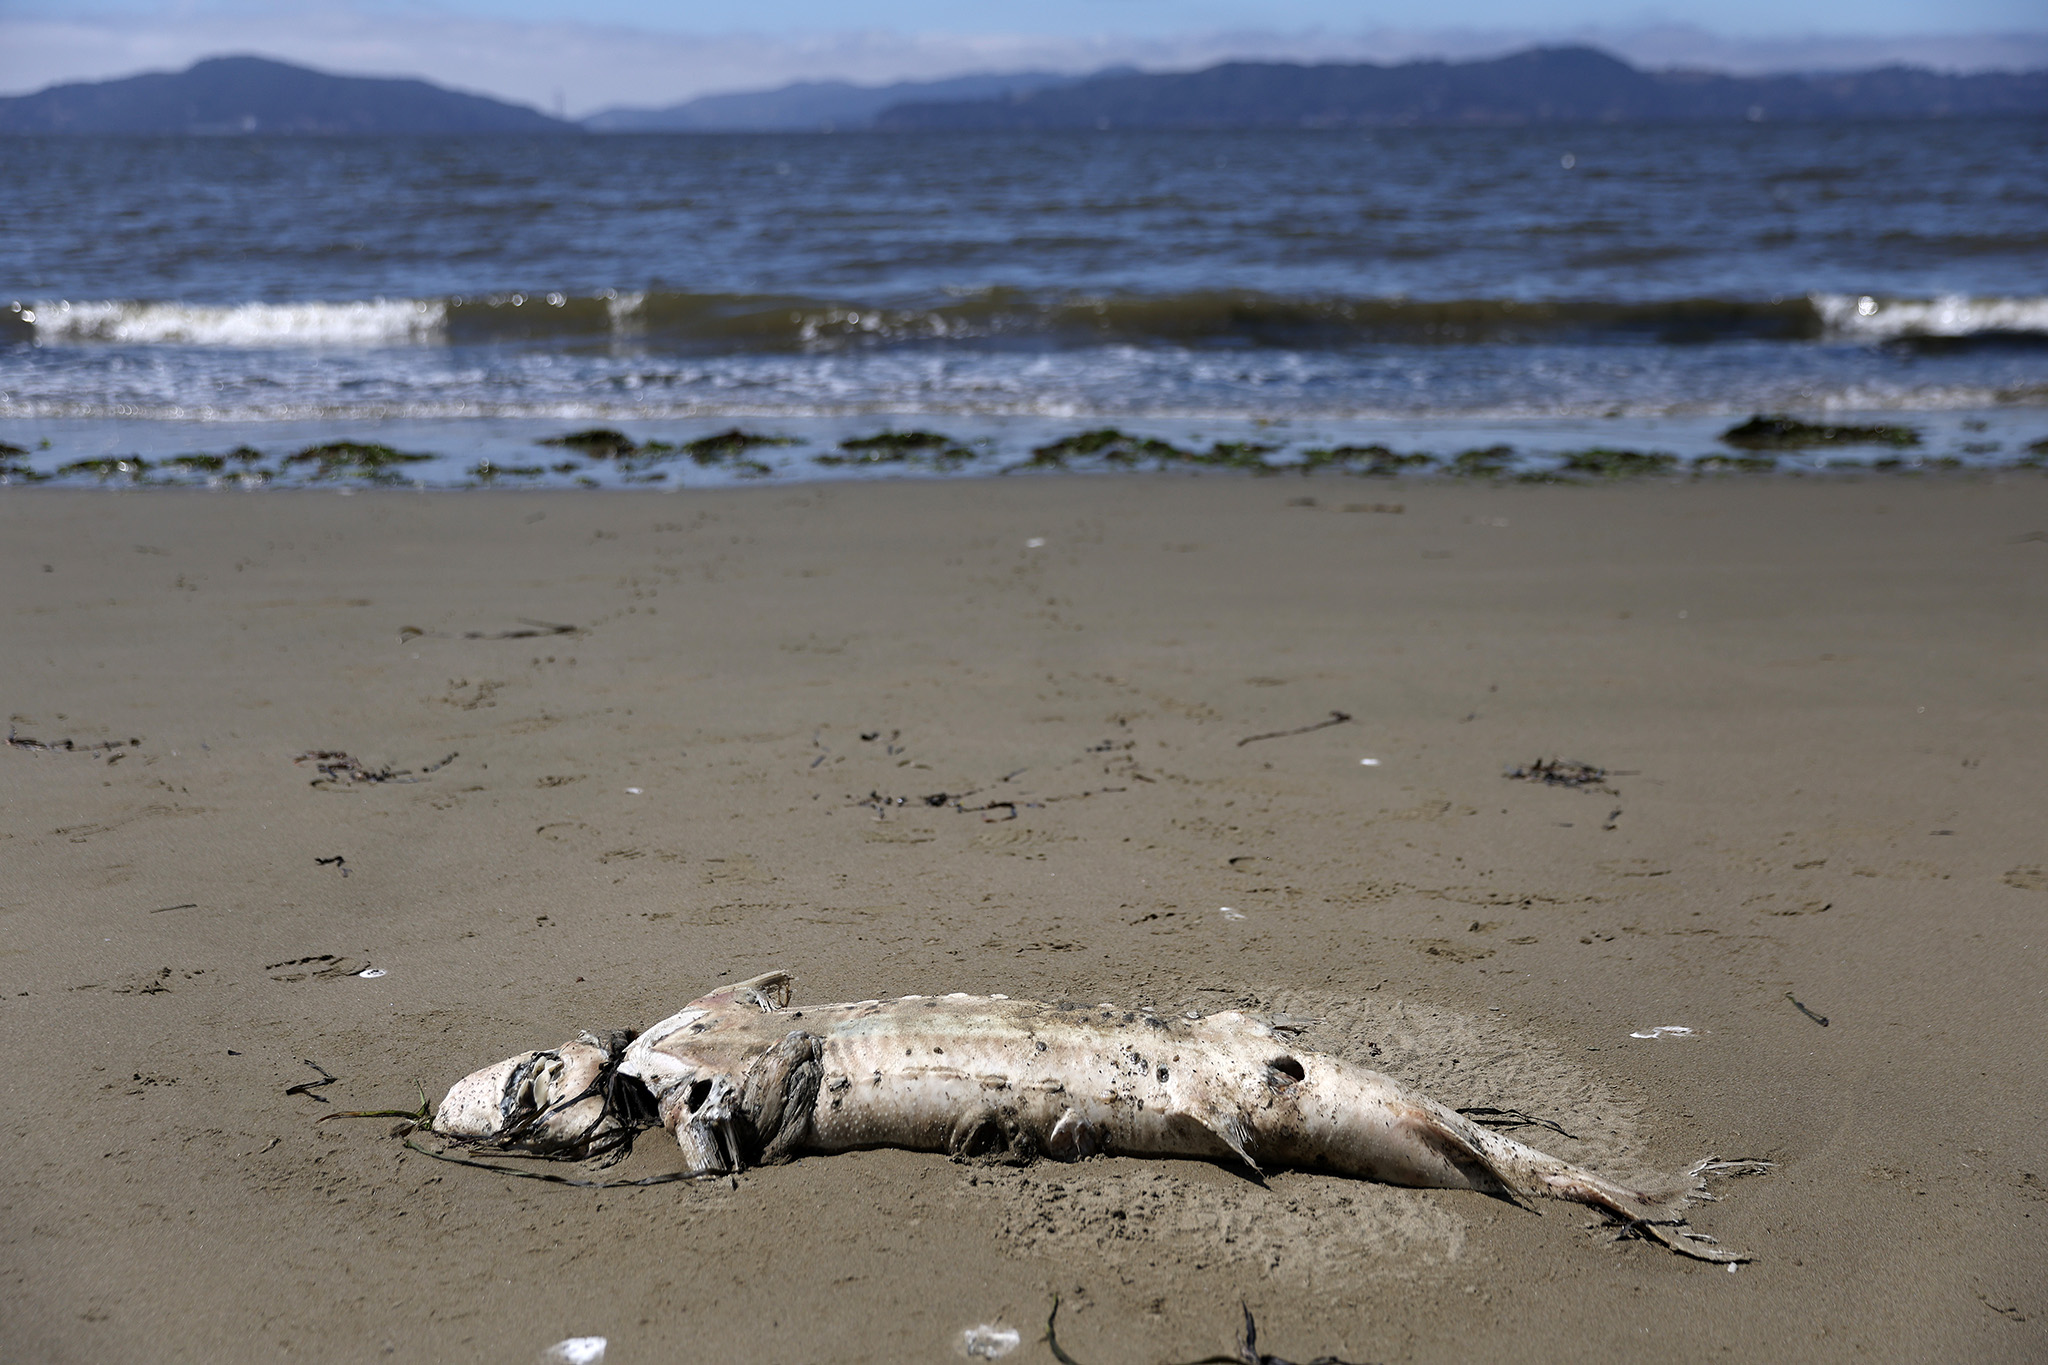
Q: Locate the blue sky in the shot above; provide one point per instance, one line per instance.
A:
(580, 55)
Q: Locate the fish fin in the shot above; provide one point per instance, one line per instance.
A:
(1071, 1138)
(983, 1133)
(1230, 1130)
(1652, 1211)
(1665, 1226)
(1676, 1235)
(1464, 1147)
(767, 992)
(702, 1119)
(778, 1094)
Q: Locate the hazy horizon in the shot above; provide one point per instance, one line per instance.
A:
(576, 68)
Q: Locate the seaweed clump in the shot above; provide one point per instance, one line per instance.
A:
(1486, 462)
(1734, 464)
(1375, 461)
(15, 468)
(728, 446)
(1892, 464)
(1561, 772)
(486, 471)
(1603, 462)
(1233, 455)
(355, 459)
(1776, 431)
(929, 448)
(203, 463)
(1106, 444)
(108, 468)
(720, 448)
(596, 443)
(1119, 448)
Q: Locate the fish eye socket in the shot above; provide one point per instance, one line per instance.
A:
(1287, 1067)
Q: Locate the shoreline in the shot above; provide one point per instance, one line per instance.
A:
(1819, 703)
(517, 452)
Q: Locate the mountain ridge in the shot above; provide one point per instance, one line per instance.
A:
(245, 94)
(816, 106)
(1544, 85)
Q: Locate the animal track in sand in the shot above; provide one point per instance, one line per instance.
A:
(1007, 838)
(320, 967)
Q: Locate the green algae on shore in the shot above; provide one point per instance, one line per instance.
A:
(1603, 462)
(1121, 449)
(1487, 462)
(1107, 444)
(355, 459)
(596, 443)
(929, 448)
(485, 471)
(1777, 431)
(1375, 460)
(107, 468)
(1734, 464)
(730, 445)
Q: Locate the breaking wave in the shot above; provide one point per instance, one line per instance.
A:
(1865, 317)
(370, 322)
(758, 322)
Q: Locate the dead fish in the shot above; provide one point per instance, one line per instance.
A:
(739, 1078)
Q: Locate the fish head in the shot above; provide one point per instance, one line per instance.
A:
(551, 1101)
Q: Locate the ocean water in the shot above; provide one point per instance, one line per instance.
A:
(1421, 289)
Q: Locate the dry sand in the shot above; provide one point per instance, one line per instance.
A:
(1825, 705)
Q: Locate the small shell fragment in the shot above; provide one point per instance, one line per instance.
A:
(987, 1342)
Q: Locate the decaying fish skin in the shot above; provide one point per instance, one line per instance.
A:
(740, 1078)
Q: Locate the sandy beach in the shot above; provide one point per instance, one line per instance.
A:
(991, 736)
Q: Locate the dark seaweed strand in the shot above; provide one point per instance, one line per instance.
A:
(1052, 1335)
(549, 1176)
(617, 1103)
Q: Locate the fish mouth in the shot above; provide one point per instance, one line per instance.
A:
(571, 1101)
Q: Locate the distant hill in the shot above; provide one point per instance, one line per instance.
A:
(815, 106)
(1561, 85)
(255, 95)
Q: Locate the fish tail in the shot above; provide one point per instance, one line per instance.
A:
(1653, 1211)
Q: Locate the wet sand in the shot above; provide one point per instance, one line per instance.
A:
(1823, 707)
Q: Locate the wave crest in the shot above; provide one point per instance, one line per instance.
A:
(717, 322)
(1865, 317)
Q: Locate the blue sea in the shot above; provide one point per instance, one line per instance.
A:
(202, 310)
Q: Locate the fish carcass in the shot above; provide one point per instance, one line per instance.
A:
(740, 1078)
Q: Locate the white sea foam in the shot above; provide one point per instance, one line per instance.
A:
(360, 322)
(1867, 317)
(623, 309)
